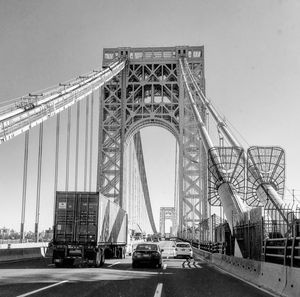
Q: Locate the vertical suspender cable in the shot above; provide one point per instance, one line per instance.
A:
(38, 188)
(68, 149)
(91, 141)
(129, 176)
(24, 185)
(56, 158)
(137, 207)
(77, 145)
(86, 141)
(176, 202)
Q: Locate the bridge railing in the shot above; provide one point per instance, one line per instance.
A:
(285, 251)
(213, 247)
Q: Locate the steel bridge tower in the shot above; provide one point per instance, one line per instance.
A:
(149, 91)
(167, 213)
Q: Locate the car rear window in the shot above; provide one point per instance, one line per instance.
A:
(147, 247)
(186, 245)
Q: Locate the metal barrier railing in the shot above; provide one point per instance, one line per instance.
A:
(212, 247)
(285, 251)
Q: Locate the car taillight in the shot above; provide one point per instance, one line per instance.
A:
(156, 254)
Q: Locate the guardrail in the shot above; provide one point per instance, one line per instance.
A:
(285, 251)
(213, 247)
(208, 246)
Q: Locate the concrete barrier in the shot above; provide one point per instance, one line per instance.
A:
(216, 259)
(244, 268)
(12, 255)
(23, 245)
(200, 254)
(272, 277)
(275, 278)
(292, 287)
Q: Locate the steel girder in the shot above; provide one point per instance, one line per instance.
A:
(149, 92)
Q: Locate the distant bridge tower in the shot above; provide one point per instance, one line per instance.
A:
(167, 213)
(149, 92)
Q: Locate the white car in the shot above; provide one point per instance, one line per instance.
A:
(183, 249)
(169, 251)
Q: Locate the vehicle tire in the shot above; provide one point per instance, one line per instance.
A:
(159, 265)
(120, 253)
(98, 259)
(58, 265)
(134, 265)
(69, 263)
(102, 259)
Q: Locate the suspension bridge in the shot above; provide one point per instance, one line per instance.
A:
(163, 87)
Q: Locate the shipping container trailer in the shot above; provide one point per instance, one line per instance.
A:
(87, 229)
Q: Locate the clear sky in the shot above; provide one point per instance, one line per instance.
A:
(252, 69)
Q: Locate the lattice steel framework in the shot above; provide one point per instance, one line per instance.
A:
(149, 92)
(166, 213)
(232, 166)
(265, 165)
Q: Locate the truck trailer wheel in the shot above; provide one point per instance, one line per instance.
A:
(120, 253)
(58, 265)
(102, 259)
(99, 259)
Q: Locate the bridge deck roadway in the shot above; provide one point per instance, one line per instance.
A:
(178, 277)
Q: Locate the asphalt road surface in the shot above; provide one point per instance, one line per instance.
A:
(177, 278)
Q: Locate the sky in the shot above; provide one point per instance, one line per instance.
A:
(252, 71)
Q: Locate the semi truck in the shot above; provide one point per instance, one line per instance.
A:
(88, 228)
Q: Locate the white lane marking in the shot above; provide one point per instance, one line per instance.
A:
(198, 264)
(113, 264)
(158, 290)
(42, 289)
(165, 266)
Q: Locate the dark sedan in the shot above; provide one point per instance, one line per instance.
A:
(147, 253)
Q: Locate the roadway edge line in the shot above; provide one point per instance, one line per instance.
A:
(42, 289)
(158, 290)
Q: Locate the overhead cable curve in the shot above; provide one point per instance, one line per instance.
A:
(141, 164)
(33, 109)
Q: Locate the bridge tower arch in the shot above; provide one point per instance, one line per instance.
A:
(167, 213)
(149, 92)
